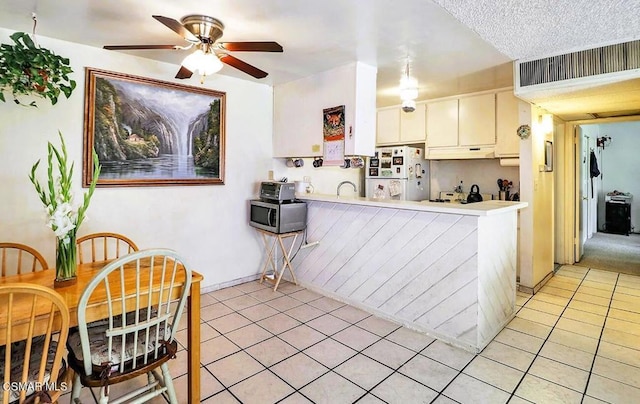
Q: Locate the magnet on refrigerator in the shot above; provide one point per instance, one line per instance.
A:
(398, 173)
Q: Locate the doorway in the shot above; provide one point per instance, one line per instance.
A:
(611, 142)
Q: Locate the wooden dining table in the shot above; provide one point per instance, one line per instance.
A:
(96, 310)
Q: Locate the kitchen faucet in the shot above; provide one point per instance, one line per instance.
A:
(346, 182)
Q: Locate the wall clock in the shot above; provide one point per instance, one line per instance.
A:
(524, 131)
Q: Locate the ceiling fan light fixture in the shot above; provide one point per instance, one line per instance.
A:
(203, 63)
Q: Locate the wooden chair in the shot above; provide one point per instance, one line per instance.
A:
(142, 339)
(40, 314)
(103, 247)
(16, 259)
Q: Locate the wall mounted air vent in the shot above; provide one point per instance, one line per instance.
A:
(586, 63)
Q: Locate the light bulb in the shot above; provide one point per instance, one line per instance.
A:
(407, 94)
(408, 88)
(192, 61)
(203, 63)
(210, 63)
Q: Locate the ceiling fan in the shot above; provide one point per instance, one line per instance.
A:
(203, 32)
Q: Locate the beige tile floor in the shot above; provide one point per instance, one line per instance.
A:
(576, 341)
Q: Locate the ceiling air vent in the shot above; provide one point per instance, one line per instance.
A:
(586, 63)
(577, 70)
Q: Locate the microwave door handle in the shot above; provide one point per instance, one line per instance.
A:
(269, 215)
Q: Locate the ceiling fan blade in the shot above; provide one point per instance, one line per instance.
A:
(243, 66)
(184, 73)
(267, 46)
(177, 28)
(133, 47)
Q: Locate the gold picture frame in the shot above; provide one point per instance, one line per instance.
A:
(148, 132)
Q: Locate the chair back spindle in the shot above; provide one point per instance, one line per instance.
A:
(103, 246)
(17, 259)
(41, 314)
(145, 294)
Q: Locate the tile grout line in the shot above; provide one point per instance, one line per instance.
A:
(441, 392)
(525, 373)
(268, 368)
(357, 352)
(296, 390)
(368, 391)
(461, 371)
(595, 355)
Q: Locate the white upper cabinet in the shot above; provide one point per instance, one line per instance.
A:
(470, 126)
(398, 127)
(388, 126)
(298, 106)
(461, 128)
(412, 125)
(442, 124)
(477, 120)
(508, 113)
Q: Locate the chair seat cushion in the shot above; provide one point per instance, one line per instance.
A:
(18, 350)
(99, 348)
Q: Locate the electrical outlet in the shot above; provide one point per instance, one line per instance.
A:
(270, 175)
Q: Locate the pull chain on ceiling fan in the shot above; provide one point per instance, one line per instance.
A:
(203, 32)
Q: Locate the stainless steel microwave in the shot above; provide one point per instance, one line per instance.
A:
(278, 217)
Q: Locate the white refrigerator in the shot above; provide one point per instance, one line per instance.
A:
(397, 173)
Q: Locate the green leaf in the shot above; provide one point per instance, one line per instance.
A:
(25, 66)
(26, 39)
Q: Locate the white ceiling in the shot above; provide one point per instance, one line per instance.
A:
(447, 57)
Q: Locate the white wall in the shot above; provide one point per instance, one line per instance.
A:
(206, 224)
(537, 220)
(619, 164)
(298, 106)
(324, 179)
(447, 174)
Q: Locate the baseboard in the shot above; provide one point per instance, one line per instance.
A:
(234, 282)
(533, 290)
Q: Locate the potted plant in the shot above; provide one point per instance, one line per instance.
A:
(28, 69)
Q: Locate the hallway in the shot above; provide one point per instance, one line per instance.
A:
(612, 252)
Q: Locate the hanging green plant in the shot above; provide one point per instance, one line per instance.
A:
(28, 69)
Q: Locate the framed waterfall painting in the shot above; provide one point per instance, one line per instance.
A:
(148, 132)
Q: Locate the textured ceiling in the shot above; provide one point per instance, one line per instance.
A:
(534, 28)
(541, 28)
(466, 46)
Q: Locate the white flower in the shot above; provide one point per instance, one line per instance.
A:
(62, 220)
(65, 215)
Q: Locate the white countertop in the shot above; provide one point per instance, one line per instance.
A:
(484, 208)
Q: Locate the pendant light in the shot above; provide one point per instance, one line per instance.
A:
(408, 91)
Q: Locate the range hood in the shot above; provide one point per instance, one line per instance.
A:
(510, 162)
(459, 153)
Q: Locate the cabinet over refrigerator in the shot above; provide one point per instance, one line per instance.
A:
(399, 173)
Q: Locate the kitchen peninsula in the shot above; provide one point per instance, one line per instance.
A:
(448, 270)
